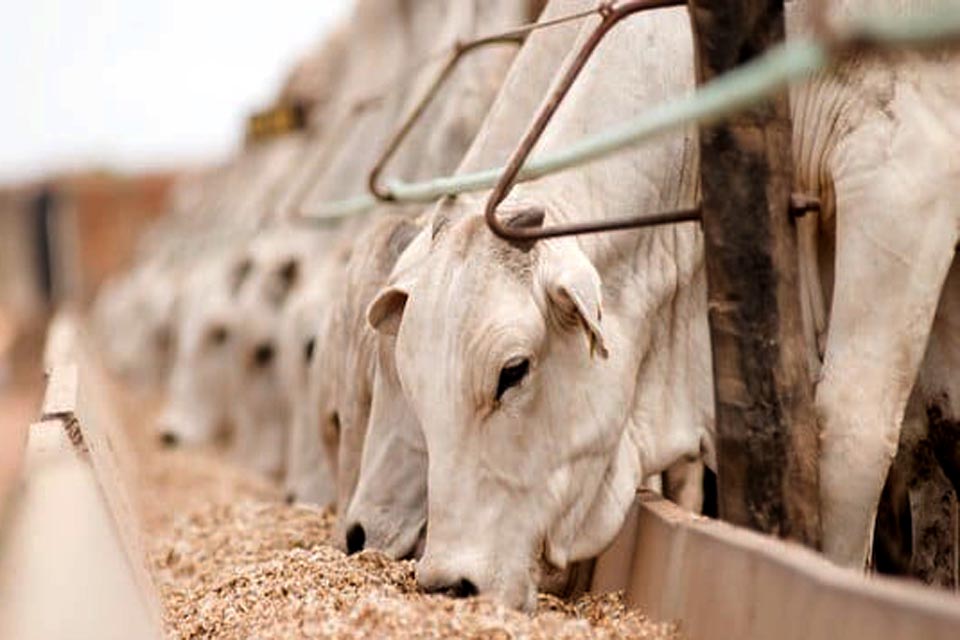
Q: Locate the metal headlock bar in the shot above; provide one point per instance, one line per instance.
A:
(749, 83)
(611, 15)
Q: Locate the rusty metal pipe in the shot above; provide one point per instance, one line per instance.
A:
(611, 14)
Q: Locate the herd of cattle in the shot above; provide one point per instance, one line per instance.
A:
(492, 407)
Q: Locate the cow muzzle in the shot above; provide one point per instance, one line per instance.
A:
(401, 542)
(466, 576)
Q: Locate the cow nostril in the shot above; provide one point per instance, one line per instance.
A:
(263, 354)
(290, 498)
(169, 439)
(356, 538)
(465, 589)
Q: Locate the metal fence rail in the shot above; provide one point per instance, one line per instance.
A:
(748, 84)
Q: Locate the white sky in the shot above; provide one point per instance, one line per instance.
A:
(136, 84)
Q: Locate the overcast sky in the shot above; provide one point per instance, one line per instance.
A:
(135, 84)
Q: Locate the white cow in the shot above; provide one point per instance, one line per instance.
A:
(279, 260)
(377, 249)
(549, 380)
(227, 323)
(388, 509)
(310, 478)
(434, 146)
(355, 125)
(142, 302)
(196, 409)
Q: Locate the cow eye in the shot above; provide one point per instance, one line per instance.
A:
(330, 430)
(287, 277)
(289, 273)
(512, 375)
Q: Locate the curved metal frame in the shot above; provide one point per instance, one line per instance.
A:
(382, 193)
(611, 14)
(515, 36)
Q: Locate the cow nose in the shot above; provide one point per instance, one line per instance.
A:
(434, 579)
(263, 354)
(356, 538)
(464, 589)
(290, 497)
(169, 439)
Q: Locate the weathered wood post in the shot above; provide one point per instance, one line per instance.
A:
(767, 432)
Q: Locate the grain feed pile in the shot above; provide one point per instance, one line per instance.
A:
(231, 560)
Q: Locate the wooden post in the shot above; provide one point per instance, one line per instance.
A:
(767, 432)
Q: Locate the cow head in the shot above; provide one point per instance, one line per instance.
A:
(502, 352)
(261, 410)
(379, 443)
(279, 271)
(202, 375)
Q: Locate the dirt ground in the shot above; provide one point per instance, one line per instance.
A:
(233, 561)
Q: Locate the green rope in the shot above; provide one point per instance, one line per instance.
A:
(746, 85)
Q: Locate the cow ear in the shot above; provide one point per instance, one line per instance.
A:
(386, 310)
(575, 295)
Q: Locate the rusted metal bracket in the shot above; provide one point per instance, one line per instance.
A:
(515, 36)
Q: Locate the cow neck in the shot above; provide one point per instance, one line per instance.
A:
(654, 297)
(654, 292)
